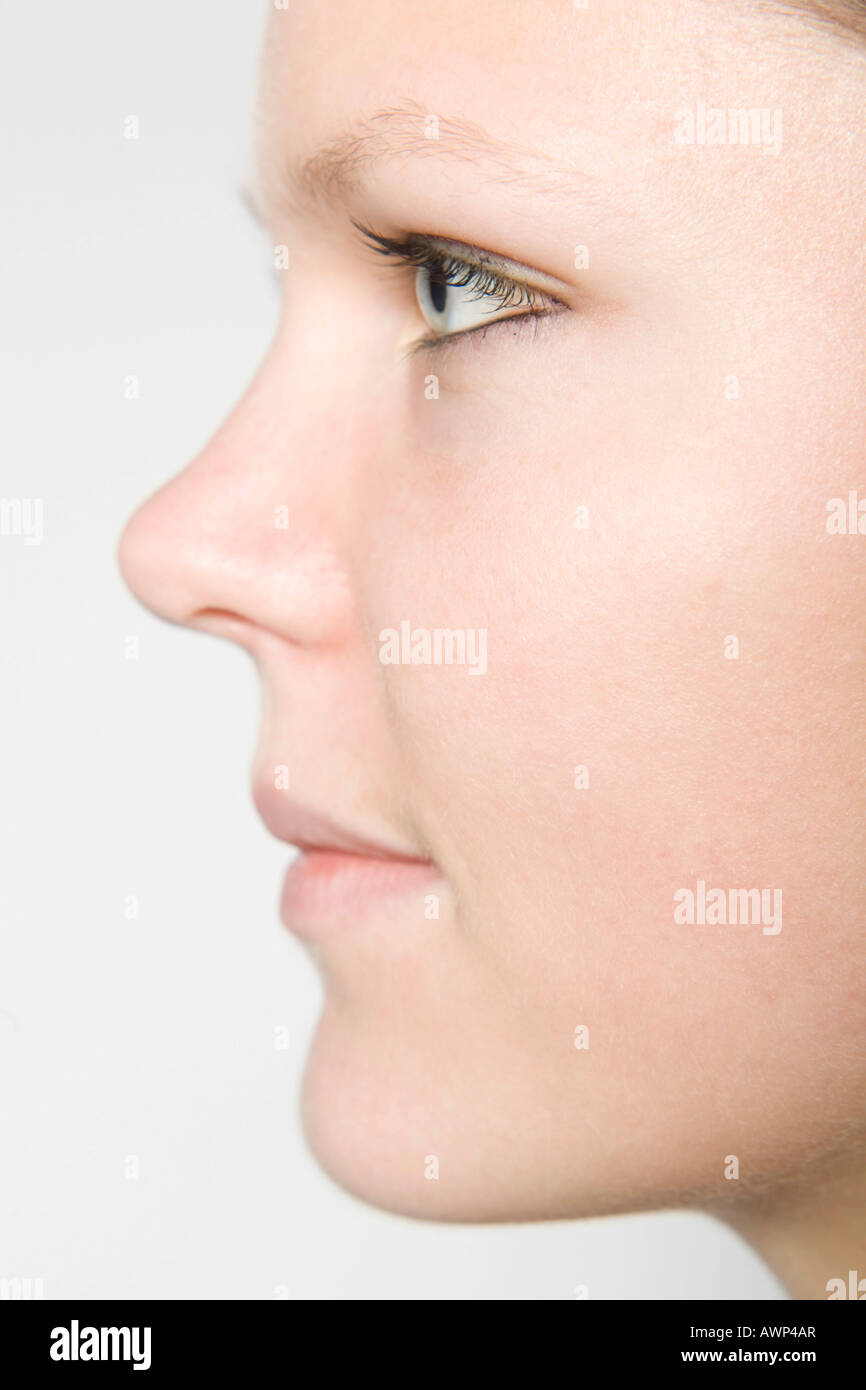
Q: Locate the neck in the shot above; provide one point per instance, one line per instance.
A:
(812, 1231)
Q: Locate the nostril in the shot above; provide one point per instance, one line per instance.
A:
(222, 622)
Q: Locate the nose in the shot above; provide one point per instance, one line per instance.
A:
(247, 538)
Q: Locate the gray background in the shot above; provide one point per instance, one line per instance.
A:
(154, 1038)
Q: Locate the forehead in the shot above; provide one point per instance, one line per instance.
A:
(522, 62)
(547, 77)
(525, 85)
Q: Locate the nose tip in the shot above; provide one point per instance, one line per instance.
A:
(212, 542)
(132, 559)
(148, 563)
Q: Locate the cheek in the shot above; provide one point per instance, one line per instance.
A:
(672, 694)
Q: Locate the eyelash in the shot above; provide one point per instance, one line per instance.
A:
(420, 252)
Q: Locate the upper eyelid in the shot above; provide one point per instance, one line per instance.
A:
(496, 264)
(475, 257)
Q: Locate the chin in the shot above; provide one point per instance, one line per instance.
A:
(382, 1114)
(376, 1125)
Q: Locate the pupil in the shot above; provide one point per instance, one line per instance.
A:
(438, 294)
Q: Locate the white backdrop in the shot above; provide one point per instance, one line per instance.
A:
(150, 1142)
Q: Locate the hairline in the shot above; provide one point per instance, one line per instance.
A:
(846, 18)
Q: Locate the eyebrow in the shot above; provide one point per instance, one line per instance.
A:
(337, 168)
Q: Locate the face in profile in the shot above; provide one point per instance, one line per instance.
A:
(531, 521)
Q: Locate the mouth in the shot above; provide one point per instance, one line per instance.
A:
(340, 876)
(326, 889)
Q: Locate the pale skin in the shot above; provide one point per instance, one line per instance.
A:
(697, 387)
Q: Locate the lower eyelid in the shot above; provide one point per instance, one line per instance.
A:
(516, 322)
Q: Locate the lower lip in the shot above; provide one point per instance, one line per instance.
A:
(324, 889)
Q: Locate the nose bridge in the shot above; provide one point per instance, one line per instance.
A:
(252, 526)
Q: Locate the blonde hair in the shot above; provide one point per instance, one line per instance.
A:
(849, 15)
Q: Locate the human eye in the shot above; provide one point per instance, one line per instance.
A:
(460, 288)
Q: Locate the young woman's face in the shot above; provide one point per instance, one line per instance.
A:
(620, 486)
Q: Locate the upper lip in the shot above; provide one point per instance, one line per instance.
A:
(308, 829)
